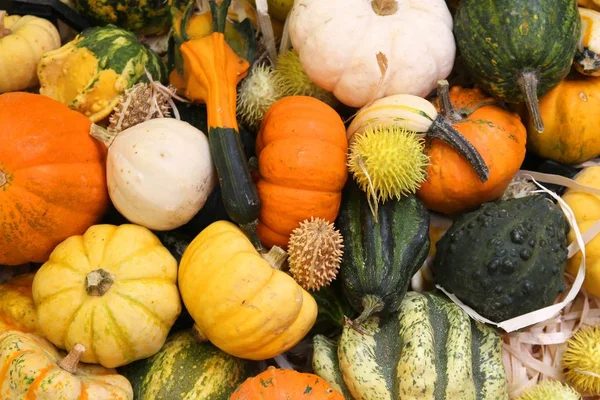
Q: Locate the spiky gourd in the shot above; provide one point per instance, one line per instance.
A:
(581, 361)
(315, 253)
(256, 95)
(550, 390)
(138, 104)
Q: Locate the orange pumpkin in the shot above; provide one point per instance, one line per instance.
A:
(301, 149)
(52, 178)
(498, 135)
(285, 384)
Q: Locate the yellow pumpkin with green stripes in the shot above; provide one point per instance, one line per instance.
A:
(429, 350)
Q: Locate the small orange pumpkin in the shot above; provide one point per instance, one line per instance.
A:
(285, 384)
(301, 149)
(498, 135)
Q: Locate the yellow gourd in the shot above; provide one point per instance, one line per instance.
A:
(238, 301)
(17, 311)
(586, 208)
(23, 41)
(113, 290)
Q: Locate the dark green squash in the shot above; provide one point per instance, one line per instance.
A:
(518, 50)
(506, 258)
(430, 349)
(380, 258)
(334, 308)
(186, 368)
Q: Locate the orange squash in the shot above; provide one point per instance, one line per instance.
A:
(52, 178)
(285, 384)
(301, 149)
(572, 131)
(498, 135)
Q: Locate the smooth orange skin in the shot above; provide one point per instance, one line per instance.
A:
(301, 149)
(56, 176)
(500, 137)
(285, 384)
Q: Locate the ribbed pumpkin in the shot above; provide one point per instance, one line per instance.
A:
(112, 290)
(430, 349)
(31, 369)
(17, 311)
(572, 133)
(52, 178)
(301, 149)
(498, 135)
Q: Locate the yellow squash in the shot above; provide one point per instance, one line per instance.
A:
(17, 311)
(113, 290)
(586, 208)
(238, 301)
(31, 369)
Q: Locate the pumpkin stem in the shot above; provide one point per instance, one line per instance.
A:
(3, 178)
(218, 9)
(371, 305)
(71, 360)
(102, 135)
(98, 282)
(446, 108)
(384, 7)
(3, 30)
(527, 82)
(276, 257)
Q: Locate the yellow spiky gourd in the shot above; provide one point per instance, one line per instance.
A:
(256, 95)
(388, 162)
(315, 253)
(550, 390)
(581, 360)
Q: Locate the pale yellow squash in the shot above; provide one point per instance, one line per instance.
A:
(17, 311)
(238, 301)
(113, 290)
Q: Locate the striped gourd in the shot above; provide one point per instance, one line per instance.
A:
(429, 350)
(186, 369)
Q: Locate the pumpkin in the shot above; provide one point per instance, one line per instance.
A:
(506, 258)
(586, 207)
(113, 290)
(52, 182)
(31, 368)
(282, 384)
(186, 368)
(587, 59)
(591, 4)
(344, 45)
(229, 290)
(17, 311)
(23, 41)
(499, 137)
(572, 134)
(301, 150)
(505, 46)
(159, 172)
(430, 349)
(210, 73)
(90, 72)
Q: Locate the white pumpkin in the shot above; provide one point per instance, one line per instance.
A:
(159, 173)
(338, 42)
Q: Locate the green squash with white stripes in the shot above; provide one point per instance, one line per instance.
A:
(187, 369)
(429, 350)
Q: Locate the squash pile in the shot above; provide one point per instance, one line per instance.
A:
(279, 199)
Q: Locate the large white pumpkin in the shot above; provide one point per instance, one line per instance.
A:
(160, 173)
(338, 42)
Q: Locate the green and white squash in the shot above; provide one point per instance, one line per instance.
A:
(187, 369)
(429, 350)
(506, 258)
(380, 256)
(587, 58)
(518, 50)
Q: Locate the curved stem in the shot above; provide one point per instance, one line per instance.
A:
(98, 282)
(3, 30)
(446, 108)
(250, 231)
(384, 7)
(276, 257)
(71, 361)
(371, 305)
(218, 9)
(527, 82)
(102, 135)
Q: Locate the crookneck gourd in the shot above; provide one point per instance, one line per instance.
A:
(429, 350)
(506, 258)
(518, 50)
(380, 256)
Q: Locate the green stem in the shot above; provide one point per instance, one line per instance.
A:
(527, 82)
(218, 9)
(371, 305)
(250, 231)
(187, 14)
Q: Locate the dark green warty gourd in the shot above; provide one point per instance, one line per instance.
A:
(518, 50)
(506, 258)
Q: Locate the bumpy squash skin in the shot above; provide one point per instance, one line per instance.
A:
(187, 369)
(429, 350)
(506, 258)
(381, 257)
(500, 39)
(17, 311)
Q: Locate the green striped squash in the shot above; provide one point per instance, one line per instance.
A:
(429, 350)
(187, 369)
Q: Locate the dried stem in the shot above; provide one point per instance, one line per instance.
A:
(384, 7)
(528, 84)
(276, 257)
(98, 282)
(3, 30)
(3, 178)
(71, 361)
